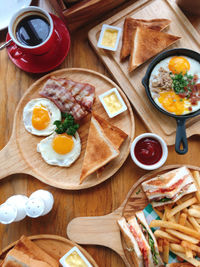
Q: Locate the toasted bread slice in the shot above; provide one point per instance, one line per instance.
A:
(28, 254)
(147, 43)
(130, 26)
(113, 133)
(99, 150)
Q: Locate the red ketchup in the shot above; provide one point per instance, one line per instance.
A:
(148, 151)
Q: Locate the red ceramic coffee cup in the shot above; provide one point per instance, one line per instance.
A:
(38, 49)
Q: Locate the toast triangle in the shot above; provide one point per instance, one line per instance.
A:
(113, 133)
(147, 43)
(130, 25)
(99, 150)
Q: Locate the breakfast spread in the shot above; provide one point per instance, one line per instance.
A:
(65, 107)
(112, 102)
(175, 84)
(26, 253)
(62, 147)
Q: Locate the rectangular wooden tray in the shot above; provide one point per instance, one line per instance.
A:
(131, 82)
(83, 11)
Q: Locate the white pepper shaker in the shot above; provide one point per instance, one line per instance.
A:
(34, 207)
(8, 213)
(19, 202)
(46, 196)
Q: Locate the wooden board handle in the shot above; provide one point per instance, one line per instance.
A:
(100, 230)
(10, 160)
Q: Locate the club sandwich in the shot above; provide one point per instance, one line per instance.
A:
(140, 241)
(169, 187)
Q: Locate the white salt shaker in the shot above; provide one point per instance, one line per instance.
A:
(46, 196)
(18, 201)
(34, 207)
(8, 213)
(39, 204)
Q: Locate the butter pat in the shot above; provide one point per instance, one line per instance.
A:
(74, 258)
(109, 37)
(112, 102)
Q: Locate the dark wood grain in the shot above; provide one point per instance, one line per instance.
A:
(96, 201)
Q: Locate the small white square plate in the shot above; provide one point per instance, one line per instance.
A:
(108, 27)
(109, 92)
(63, 259)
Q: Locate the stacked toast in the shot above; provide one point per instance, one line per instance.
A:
(143, 39)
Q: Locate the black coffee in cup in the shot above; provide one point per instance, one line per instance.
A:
(33, 29)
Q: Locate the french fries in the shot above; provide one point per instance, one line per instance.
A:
(183, 256)
(188, 253)
(191, 246)
(182, 206)
(197, 182)
(160, 245)
(165, 251)
(182, 219)
(183, 236)
(164, 235)
(194, 212)
(194, 223)
(176, 247)
(175, 226)
(180, 227)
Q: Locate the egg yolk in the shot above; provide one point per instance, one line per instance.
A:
(172, 102)
(62, 143)
(179, 65)
(40, 118)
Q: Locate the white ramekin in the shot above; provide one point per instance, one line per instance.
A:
(164, 151)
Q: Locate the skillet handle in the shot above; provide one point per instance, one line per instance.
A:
(181, 138)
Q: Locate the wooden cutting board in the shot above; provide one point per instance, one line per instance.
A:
(20, 154)
(54, 245)
(131, 82)
(104, 230)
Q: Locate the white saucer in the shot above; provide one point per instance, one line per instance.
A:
(8, 8)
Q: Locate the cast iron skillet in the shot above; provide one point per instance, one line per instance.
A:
(181, 138)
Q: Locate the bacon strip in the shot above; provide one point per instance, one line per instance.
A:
(70, 96)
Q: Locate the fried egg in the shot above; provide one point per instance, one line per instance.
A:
(172, 103)
(169, 100)
(178, 64)
(60, 149)
(39, 115)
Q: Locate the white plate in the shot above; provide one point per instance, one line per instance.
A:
(8, 8)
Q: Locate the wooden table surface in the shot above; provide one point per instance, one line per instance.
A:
(99, 200)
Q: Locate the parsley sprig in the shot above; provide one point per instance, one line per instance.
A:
(68, 125)
(182, 83)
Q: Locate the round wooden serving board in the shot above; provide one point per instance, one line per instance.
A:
(20, 155)
(104, 230)
(55, 246)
